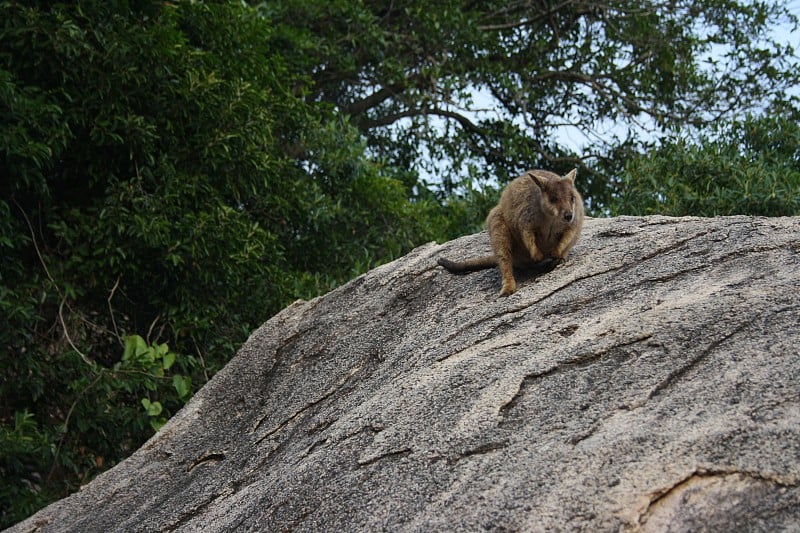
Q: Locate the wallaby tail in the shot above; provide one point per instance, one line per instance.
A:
(470, 265)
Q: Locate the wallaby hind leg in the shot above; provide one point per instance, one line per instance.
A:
(501, 245)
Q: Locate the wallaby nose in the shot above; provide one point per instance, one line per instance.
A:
(568, 217)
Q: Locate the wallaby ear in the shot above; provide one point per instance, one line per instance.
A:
(537, 180)
(571, 175)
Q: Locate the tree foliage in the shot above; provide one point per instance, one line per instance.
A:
(172, 173)
(152, 214)
(416, 77)
(749, 167)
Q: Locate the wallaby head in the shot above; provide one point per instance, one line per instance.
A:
(559, 197)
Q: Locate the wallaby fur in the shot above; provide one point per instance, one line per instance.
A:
(538, 219)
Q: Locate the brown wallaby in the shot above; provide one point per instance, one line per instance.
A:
(537, 221)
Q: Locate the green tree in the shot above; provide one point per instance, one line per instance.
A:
(749, 167)
(414, 75)
(153, 211)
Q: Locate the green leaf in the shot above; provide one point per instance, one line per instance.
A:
(130, 348)
(157, 423)
(140, 346)
(183, 385)
(169, 359)
(152, 408)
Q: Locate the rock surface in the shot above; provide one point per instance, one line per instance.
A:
(650, 383)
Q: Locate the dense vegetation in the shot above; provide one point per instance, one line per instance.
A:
(747, 167)
(173, 173)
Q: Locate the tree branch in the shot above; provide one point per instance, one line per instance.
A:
(358, 108)
(465, 123)
(526, 22)
(368, 124)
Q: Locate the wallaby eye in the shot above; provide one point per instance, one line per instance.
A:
(553, 200)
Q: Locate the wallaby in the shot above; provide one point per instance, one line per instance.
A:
(537, 221)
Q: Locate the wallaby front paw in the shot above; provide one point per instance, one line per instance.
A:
(508, 289)
(538, 256)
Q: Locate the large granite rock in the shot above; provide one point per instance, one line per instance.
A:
(652, 382)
